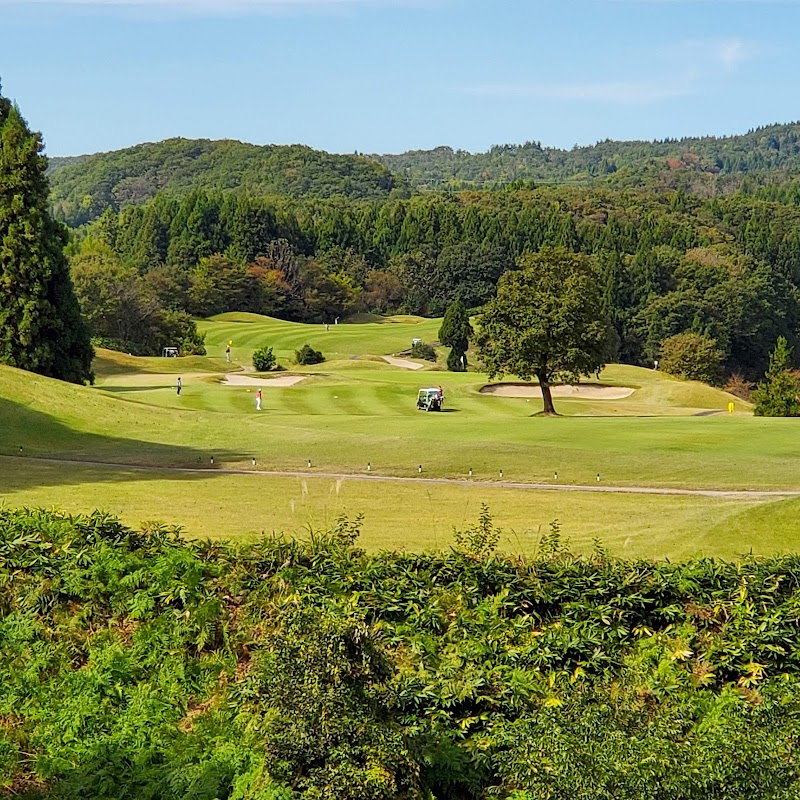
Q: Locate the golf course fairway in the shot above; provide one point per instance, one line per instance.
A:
(207, 460)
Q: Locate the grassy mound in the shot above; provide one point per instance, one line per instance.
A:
(251, 331)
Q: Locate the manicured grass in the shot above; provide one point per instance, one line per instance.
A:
(248, 332)
(357, 409)
(408, 516)
(342, 420)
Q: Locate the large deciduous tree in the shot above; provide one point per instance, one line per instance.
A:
(455, 333)
(41, 329)
(546, 321)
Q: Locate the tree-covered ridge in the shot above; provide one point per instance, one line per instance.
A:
(767, 149)
(82, 188)
(137, 665)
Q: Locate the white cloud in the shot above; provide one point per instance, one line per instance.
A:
(676, 71)
(705, 55)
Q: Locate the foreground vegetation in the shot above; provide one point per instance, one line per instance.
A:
(137, 665)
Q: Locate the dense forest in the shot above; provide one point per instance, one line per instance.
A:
(726, 268)
(83, 187)
(775, 148)
(134, 664)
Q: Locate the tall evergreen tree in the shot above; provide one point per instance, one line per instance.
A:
(41, 329)
(455, 333)
(779, 394)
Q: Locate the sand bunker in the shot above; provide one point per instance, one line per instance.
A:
(583, 391)
(402, 362)
(279, 381)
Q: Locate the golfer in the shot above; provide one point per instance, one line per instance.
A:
(258, 400)
(178, 387)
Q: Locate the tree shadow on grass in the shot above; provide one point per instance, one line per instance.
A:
(125, 389)
(27, 437)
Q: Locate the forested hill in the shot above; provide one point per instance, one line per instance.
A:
(767, 149)
(82, 188)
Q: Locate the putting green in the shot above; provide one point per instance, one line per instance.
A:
(357, 409)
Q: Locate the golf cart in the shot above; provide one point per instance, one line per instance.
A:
(430, 399)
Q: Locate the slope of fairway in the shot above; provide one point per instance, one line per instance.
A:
(248, 332)
(110, 362)
(349, 416)
(342, 420)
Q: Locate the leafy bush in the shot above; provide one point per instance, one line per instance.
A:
(308, 355)
(692, 356)
(134, 663)
(264, 359)
(424, 351)
(739, 387)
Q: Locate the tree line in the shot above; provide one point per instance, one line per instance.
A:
(706, 162)
(83, 187)
(666, 263)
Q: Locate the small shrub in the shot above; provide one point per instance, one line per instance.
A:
(424, 351)
(308, 355)
(480, 540)
(193, 345)
(739, 387)
(264, 359)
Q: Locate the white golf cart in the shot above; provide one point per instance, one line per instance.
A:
(430, 399)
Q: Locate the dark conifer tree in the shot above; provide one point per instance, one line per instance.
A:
(455, 333)
(41, 329)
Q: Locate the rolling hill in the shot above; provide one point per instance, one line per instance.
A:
(84, 186)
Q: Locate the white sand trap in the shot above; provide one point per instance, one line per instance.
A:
(583, 391)
(279, 381)
(402, 362)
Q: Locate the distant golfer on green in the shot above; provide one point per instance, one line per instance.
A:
(258, 400)
(178, 387)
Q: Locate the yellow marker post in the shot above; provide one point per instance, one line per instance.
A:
(731, 408)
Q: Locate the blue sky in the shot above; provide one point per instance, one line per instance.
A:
(393, 75)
